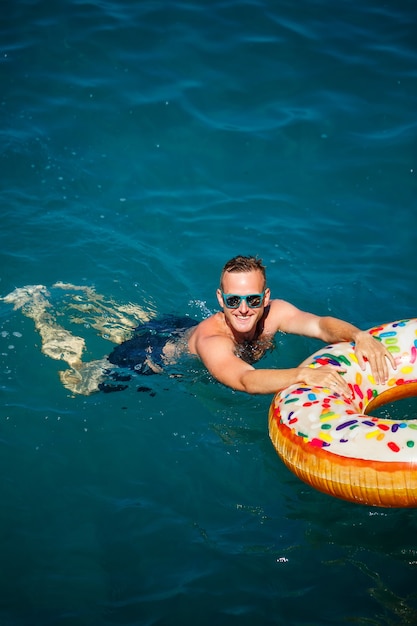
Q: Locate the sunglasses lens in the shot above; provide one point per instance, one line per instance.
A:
(232, 302)
(254, 301)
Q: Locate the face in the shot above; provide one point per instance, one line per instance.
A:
(243, 320)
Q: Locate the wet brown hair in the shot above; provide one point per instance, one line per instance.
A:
(243, 264)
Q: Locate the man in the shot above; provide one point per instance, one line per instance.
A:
(229, 341)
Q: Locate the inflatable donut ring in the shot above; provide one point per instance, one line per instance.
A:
(334, 444)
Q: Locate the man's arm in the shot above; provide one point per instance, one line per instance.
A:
(217, 354)
(332, 330)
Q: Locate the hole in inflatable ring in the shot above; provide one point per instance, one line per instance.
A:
(399, 403)
(404, 409)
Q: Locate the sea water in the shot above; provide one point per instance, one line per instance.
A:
(143, 144)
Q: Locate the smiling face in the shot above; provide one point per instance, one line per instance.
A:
(243, 320)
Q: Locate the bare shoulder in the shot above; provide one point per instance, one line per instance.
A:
(211, 328)
(288, 318)
(280, 311)
(213, 342)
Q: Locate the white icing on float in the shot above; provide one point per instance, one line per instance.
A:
(335, 444)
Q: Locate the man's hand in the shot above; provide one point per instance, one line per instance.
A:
(367, 348)
(326, 376)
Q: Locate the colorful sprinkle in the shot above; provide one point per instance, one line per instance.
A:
(326, 413)
(318, 443)
(393, 348)
(343, 359)
(346, 424)
(358, 391)
(326, 437)
(326, 361)
(376, 330)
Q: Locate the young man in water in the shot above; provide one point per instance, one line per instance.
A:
(229, 341)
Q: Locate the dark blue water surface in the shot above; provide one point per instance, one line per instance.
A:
(144, 143)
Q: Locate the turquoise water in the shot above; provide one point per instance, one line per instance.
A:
(144, 144)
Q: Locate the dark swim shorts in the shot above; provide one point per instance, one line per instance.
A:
(148, 343)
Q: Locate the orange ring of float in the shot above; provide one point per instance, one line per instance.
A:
(335, 444)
